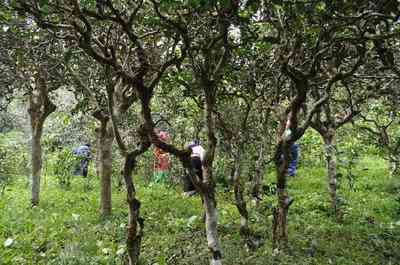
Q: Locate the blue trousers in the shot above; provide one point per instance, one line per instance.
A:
(294, 151)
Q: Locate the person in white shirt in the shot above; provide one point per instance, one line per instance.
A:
(197, 158)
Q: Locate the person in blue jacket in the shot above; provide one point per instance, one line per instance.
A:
(83, 153)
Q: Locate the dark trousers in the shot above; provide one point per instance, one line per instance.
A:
(196, 166)
(84, 167)
(294, 150)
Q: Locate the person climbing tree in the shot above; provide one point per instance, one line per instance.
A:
(197, 158)
(83, 154)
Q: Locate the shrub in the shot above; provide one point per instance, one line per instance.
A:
(63, 165)
(13, 159)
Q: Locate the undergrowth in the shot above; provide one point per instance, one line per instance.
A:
(66, 227)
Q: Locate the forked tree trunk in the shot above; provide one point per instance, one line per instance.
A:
(118, 104)
(106, 138)
(331, 165)
(239, 198)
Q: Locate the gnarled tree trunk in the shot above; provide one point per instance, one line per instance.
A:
(134, 229)
(118, 104)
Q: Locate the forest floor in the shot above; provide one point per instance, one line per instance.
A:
(66, 228)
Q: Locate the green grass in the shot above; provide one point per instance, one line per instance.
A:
(66, 228)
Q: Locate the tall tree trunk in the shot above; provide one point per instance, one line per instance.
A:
(40, 107)
(117, 95)
(279, 226)
(211, 216)
(208, 193)
(331, 166)
(106, 138)
(257, 180)
(36, 160)
(239, 199)
(98, 147)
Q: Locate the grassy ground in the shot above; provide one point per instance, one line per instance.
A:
(66, 229)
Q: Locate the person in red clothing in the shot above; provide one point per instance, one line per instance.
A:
(161, 160)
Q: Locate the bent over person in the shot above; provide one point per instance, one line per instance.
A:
(83, 153)
(197, 157)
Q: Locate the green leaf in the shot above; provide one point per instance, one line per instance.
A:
(44, 6)
(43, 3)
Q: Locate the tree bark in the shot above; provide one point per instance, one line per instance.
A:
(134, 229)
(210, 207)
(258, 177)
(331, 166)
(36, 160)
(239, 199)
(106, 138)
(98, 146)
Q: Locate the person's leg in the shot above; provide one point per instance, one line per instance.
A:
(196, 164)
(77, 168)
(187, 184)
(84, 167)
(160, 176)
(189, 188)
(294, 150)
(156, 176)
(84, 172)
